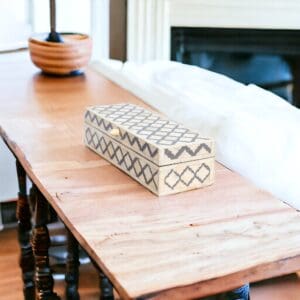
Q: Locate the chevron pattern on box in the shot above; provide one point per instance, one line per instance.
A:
(99, 122)
(144, 147)
(188, 150)
(123, 158)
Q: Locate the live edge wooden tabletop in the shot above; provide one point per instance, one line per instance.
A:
(174, 247)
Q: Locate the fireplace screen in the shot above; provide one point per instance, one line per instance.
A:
(266, 58)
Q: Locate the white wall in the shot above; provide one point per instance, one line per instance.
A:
(14, 25)
(72, 15)
(84, 16)
(14, 30)
(150, 21)
(267, 14)
(8, 177)
(148, 30)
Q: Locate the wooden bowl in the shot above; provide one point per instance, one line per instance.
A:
(66, 58)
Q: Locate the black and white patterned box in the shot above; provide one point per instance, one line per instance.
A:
(161, 154)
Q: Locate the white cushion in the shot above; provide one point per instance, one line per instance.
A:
(257, 133)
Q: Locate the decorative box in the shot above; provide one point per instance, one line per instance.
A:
(161, 154)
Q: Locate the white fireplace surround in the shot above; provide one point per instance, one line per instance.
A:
(150, 21)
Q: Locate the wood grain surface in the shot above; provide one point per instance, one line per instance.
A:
(173, 247)
(282, 288)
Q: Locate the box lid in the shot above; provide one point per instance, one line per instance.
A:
(153, 136)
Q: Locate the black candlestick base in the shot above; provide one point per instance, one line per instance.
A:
(54, 37)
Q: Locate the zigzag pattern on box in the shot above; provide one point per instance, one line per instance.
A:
(188, 150)
(100, 122)
(142, 147)
(122, 157)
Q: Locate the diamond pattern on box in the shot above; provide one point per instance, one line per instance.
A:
(122, 157)
(147, 124)
(188, 176)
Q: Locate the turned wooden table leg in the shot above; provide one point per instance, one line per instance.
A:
(72, 273)
(24, 232)
(40, 246)
(106, 288)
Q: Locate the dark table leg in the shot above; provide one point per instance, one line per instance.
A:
(106, 288)
(72, 273)
(24, 233)
(242, 293)
(40, 246)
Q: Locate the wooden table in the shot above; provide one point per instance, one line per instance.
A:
(181, 246)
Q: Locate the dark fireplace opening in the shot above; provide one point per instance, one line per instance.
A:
(267, 58)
